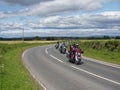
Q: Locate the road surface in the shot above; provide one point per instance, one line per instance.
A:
(52, 70)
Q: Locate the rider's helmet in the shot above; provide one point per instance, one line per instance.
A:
(74, 45)
(77, 45)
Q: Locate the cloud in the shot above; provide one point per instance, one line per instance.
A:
(10, 26)
(2, 15)
(104, 20)
(23, 2)
(63, 6)
(105, 23)
(63, 32)
(54, 7)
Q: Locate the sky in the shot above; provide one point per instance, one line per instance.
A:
(70, 18)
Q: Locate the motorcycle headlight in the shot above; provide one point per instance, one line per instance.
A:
(79, 53)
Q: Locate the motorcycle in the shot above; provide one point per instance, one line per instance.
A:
(75, 56)
(62, 49)
(57, 46)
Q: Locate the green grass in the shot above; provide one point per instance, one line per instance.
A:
(105, 50)
(112, 57)
(13, 75)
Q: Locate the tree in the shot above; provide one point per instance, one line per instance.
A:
(37, 38)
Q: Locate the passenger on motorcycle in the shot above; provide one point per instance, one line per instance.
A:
(71, 51)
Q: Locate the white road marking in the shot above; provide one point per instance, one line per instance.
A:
(46, 50)
(36, 78)
(115, 82)
(57, 59)
(102, 62)
(42, 85)
(30, 71)
(23, 54)
(96, 75)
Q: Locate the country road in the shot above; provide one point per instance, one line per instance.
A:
(52, 70)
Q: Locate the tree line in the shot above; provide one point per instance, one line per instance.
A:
(59, 38)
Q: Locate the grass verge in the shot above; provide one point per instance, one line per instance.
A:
(13, 75)
(104, 50)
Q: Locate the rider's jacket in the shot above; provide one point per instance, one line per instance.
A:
(72, 48)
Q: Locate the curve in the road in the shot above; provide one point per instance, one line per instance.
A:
(82, 69)
(51, 69)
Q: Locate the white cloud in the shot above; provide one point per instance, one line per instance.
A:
(63, 32)
(55, 7)
(23, 2)
(101, 21)
(63, 6)
(2, 15)
(10, 26)
(77, 25)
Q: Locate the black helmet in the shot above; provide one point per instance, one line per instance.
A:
(73, 45)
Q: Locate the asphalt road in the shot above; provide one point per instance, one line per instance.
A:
(52, 70)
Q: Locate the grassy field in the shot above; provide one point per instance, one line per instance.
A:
(13, 75)
(34, 41)
(105, 50)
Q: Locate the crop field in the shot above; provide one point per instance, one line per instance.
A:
(16, 42)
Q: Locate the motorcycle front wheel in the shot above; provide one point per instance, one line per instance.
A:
(77, 62)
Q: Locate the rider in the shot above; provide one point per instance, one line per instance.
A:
(57, 45)
(77, 46)
(72, 48)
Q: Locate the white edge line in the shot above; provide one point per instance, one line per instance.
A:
(46, 50)
(96, 75)
(32, 73)
(102, 62)
(36, 78)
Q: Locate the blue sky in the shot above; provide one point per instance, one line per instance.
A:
(59, 18)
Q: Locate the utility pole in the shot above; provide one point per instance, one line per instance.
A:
(0, 31)
(23, 34)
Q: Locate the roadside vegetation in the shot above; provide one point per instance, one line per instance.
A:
(13, 75)
(105, 50)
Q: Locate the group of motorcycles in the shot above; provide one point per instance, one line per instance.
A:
(73, 55)
(62, 48)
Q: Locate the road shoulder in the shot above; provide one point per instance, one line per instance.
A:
(101, 62)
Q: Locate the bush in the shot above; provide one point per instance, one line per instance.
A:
(113, 46)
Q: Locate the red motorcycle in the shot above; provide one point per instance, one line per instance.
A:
(75, 56)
